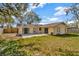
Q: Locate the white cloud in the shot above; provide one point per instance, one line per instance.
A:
(51, 20)
(54, 19)
(70, 22)
(43, 23)
(60, 11)
(58, 8)
(41, 5)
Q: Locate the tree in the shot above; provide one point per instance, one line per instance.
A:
(18, 10)
(23, 14)
(32, 17)
(74, 10)
(6, 14)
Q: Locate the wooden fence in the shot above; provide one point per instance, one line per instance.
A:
(10, 30)
(73, 30)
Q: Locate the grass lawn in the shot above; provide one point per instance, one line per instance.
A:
(65, 45)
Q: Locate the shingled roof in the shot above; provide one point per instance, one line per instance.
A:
(54, 24)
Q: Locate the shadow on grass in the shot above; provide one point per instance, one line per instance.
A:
(68, 35)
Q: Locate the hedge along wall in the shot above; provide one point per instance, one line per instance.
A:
(10, 30)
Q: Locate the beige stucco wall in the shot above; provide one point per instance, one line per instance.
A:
(1, 30)
(62, 29)
(50, 29)
(36, 29)
(78, 25)
(42, 30)
(30, 28)
(20, 31)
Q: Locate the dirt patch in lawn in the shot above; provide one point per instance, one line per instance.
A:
(8, 36)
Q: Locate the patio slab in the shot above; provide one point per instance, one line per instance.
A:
(33, 35)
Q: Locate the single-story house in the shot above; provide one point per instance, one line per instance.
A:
(53, 28)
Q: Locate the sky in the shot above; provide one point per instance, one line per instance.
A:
(51, 12)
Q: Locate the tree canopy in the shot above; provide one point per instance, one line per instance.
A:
(18, 10)
(32, 17)
(74, 10)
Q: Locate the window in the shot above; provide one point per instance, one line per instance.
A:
(58, 29)
(40, 29)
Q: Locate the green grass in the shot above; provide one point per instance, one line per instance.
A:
(65, 45)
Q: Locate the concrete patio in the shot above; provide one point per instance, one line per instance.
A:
(33, 35)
